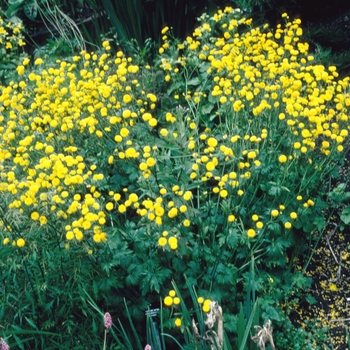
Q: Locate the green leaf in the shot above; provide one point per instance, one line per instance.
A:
(272, 314)
(311, 299)
(194, 81)
(274, 191)
(30, 10)
(206, 109)
(345, 215)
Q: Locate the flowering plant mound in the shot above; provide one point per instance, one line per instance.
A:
(11, 48)
(213, 157)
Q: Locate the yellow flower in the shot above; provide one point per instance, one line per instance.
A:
(164, 132)
(212, 142)
(255, 217)
(20, 242)
(6, 241)
(310, 202)
(34, 215)
(183, 208)
(176, 300)
(274, 213)
(164, 30)
(287, 225)
(200, 300)
(172, 242)
(20, 70)
(293, 215)
(109, 206)
(333, 287)
(127, 98)
(178, 322)
(168, 301)
(124, 132)
(231, 218)
(122, 208)
(38, 61)
(187, 223)
(206, 306)
(251, 155)
(210, 166)
(187, 195)
(223, 193)
(282, 158)
(251, 233)
(162, 241)
(150, 162)
(153, 122)
(259, 225)
(172, 213)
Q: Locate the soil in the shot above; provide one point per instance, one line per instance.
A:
(327, 302)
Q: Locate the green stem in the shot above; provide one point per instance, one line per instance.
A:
(105, 340)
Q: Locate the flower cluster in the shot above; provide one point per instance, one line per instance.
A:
(171, 299)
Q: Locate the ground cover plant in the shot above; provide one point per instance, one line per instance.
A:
(124, 183)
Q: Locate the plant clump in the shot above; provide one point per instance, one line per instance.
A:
(213, 157)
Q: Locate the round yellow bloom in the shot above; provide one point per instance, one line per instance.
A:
(70, 235)
(172, 293)
(251, 233)
(274, 213)
(287, 225)
(20, 242)
(34, 215)
(187, 223)
(172, 213)
(282, 158)
(251, 155)
(127, 98)
(124, 132)
(210, 166)
(183, 208)
(176, 300)
(259, 225)
(6, 241)
(20, 70)
(38, 61)
(310, 202)
(255, 217)
(164, 132)
(109, 206)
(122, 208)
(293, 215)
(206, 307)
(178, 322)
(200, 300)
(150, 162)
(187, 195)
(153, 122)
(162, 241)
(223, 193)
(231, 218)
(212, 142)
(168, 301)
